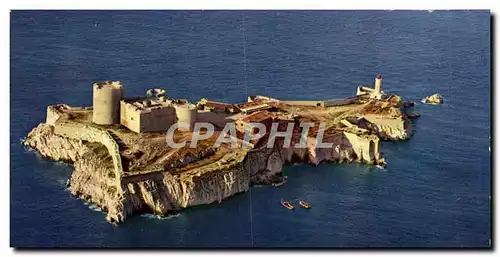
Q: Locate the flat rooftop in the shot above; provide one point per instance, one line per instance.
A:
(148, 103)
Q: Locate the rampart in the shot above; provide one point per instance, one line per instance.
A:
(89, 133)
(365, 146)
(323, 103)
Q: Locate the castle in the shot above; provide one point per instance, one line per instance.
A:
(155, 112)
(152, 113)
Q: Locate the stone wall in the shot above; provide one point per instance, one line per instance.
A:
(340, 102)
(150, 120)
(52, 115)
(305, 103)
(130, 117)
(366, 147)
(89, 133)
(159, 119)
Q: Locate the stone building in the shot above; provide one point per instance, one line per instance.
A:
(106, 102)
(375, 92)
(205, 104)
(147, 114)
(254, 106)
(263, 117)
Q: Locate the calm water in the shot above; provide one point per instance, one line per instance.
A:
(434, 192)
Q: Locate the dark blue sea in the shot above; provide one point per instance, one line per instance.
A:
(435, 191)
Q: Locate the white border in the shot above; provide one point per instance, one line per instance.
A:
(256, 4)
(206, 5)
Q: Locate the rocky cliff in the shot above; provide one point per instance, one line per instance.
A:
(163, 192)
(95, 179)
(265, 165)
(397, 128)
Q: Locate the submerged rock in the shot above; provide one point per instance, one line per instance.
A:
(434, 99)
(408, 104)
(413, 115)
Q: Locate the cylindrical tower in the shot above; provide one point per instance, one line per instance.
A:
(107, 96)
(378, 84)
(155, 92)
(186, 113)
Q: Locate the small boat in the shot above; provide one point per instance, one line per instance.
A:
(287, 205)
(305, 204)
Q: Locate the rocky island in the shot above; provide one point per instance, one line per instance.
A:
(123, 163)
(433, 99)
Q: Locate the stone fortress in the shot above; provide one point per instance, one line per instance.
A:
(124, 166)
(151, 113)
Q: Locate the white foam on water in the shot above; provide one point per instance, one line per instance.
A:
(158, 217)
(95, 208)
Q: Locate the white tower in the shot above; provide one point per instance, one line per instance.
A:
(378, 85)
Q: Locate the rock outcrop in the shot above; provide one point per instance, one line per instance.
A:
(95, 179)
(434, 99)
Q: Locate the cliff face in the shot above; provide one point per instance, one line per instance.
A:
(95, 178)
(164, 192)
(391, 129)
(43, 139)
(265, 165)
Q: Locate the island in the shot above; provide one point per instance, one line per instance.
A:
(124, 165)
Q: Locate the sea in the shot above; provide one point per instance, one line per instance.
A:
(435, 191)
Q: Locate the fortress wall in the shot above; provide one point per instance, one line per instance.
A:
(130, 117)
(157, 119)
(218, 119)
(339, 102)
(304, 103)
(186, 114)
(262, 98)
(52, 115)
(367, 148)
(84, 132)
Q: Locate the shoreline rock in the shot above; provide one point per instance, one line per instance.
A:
(94, 180)
(434, 99)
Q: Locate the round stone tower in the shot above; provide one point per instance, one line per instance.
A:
(378, 84)
(107, 96)
(186, 113)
